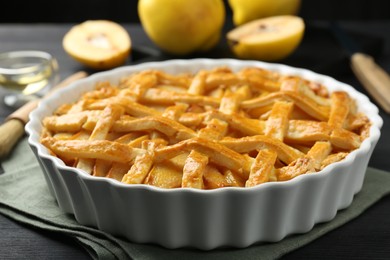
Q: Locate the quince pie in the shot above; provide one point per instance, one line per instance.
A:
(212, 129)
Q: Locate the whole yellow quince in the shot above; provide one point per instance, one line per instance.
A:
(182, 26)
(249, 10)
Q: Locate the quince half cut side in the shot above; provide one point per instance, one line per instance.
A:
(268, 39)
(98, 44)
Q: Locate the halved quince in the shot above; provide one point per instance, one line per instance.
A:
(98, 44)
(267, 39)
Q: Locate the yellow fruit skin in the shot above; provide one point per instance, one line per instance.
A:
(248, 10)
(211, 42)
(267, 51)
(182, 26)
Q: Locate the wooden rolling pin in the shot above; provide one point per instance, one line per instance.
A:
(13, 128)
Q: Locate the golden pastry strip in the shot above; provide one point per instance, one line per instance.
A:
(286, 154)
(340, 109)
(223, 77)
(98, 149)
(307, 164)
(332, 158)
(197, 86)
(230, 103)
(262, 168)
(213, 179)
(245, 125)
(141, 82)
(132, 108)
(182, 80)
(166, 97)
(175, 112)
(65, 123)
(260, 79)
(298, 85)
(142, 165)
(305, 103)
(303, 131)
(110, 114)
(345, 139)
(218, 154)
(277, 123)
(211, 129)
(193, 170)
(167, 126)
(214, 130)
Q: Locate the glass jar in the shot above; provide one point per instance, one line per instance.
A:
(25, 75)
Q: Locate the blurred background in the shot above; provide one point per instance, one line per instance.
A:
(125, 11)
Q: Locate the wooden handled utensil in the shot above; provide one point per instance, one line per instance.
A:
(373, 78)
(13, 127)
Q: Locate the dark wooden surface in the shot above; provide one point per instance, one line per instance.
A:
(125, 11)
(367, 237)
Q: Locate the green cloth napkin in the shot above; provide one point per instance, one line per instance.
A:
(25, 197)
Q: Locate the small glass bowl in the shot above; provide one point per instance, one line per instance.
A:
(24, 75)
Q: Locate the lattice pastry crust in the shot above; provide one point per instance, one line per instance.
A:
(216, 128)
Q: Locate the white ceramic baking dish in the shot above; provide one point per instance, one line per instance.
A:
(204, 219)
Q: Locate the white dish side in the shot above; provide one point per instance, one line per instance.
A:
(204, 219)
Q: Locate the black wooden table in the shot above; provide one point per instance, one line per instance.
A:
(367, 237)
